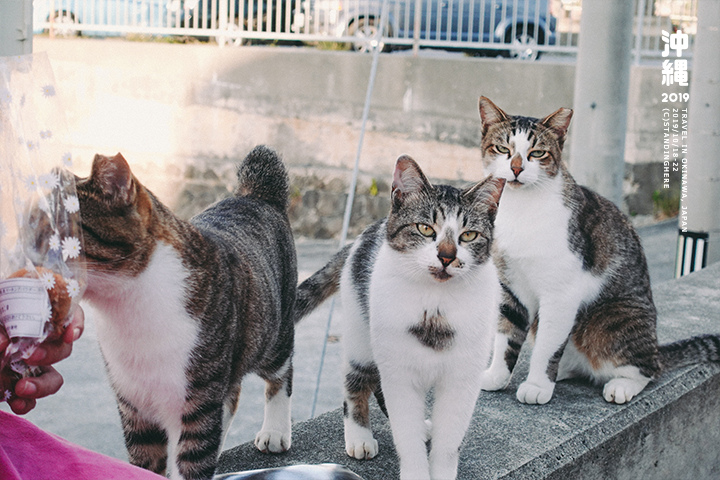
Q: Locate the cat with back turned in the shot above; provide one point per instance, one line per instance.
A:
(420, 298)
(187, 308)
(573, 272)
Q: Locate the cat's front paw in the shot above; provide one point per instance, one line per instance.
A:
(361, 446)
(494, 379)
(269, 441)
(622, 390)
(534, 394)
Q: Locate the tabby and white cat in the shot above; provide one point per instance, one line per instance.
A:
(189, 308)
(420, 299)
(573, 272)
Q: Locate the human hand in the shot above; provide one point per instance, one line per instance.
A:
(28, 390)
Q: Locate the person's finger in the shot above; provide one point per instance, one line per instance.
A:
(48, 383)
(4, 341)
(48, 353)
(21, 406)
(76, 327)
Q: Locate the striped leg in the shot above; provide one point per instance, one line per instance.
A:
(360, 382)
(200, 439)
(231, 405)
(146, 442)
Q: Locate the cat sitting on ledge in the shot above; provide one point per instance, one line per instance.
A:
(573, 272)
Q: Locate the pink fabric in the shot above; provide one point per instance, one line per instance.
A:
(28, 453)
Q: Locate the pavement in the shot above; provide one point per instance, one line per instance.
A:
(84, 410)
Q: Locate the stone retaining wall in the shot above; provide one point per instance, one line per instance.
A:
(184, 115)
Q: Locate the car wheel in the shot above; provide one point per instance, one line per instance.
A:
(524, 46)
(63, 25)
(365, 30)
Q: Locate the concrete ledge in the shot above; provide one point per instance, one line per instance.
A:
(670, 431)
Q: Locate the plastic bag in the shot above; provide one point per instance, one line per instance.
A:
(42, 272)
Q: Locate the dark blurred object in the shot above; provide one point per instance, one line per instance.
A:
(295, 472)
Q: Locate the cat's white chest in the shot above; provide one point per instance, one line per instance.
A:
(147, 336)
(469, 306)
(531, 233)
(532, 223)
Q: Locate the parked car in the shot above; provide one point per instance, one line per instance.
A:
(252, 16)
(517, 27)
(88, 17)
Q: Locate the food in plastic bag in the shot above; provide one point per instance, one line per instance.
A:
(42, 271)
(60, 301)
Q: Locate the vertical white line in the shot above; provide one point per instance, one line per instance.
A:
(679, 257)
(699, 253)
(688, 255)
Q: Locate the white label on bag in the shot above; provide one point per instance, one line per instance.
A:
(24, 307)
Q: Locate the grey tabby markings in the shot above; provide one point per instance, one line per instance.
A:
(434, 332)
(361, 382)
(240, 256)
(421, 203)
(618, 326)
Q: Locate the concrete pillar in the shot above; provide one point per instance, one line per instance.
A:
(699, 219)
(16, 34)
(602, 78)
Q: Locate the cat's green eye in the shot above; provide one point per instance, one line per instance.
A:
(501, 149)
(425, 230)
(468, 236)
(537, 153)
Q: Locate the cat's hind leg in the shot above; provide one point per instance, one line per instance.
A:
(512, 330)
(198, 440)
(622, 389)
(275, 436)
(146, 441)
(361, 380)
(230, 408)
(621, 383)
(617, 339)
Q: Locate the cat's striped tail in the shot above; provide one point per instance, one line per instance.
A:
(321, 285)
(263, 175)
(700, 349)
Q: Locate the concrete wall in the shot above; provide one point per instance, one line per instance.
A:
(183, 115)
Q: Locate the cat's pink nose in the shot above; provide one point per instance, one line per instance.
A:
(517, 171)
(445, 260)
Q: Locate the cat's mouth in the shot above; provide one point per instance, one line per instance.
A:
(440, 274)
(515, 183)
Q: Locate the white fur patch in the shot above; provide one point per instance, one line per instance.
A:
(531, 231)
(147, 336)
(408, 369)
(276, 431)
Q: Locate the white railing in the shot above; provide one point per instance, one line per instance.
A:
(518, 28)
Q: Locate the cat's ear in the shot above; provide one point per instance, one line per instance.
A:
(408, 179)
(113, 177)
(487, 192)
(490, 114)
(558, 121)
